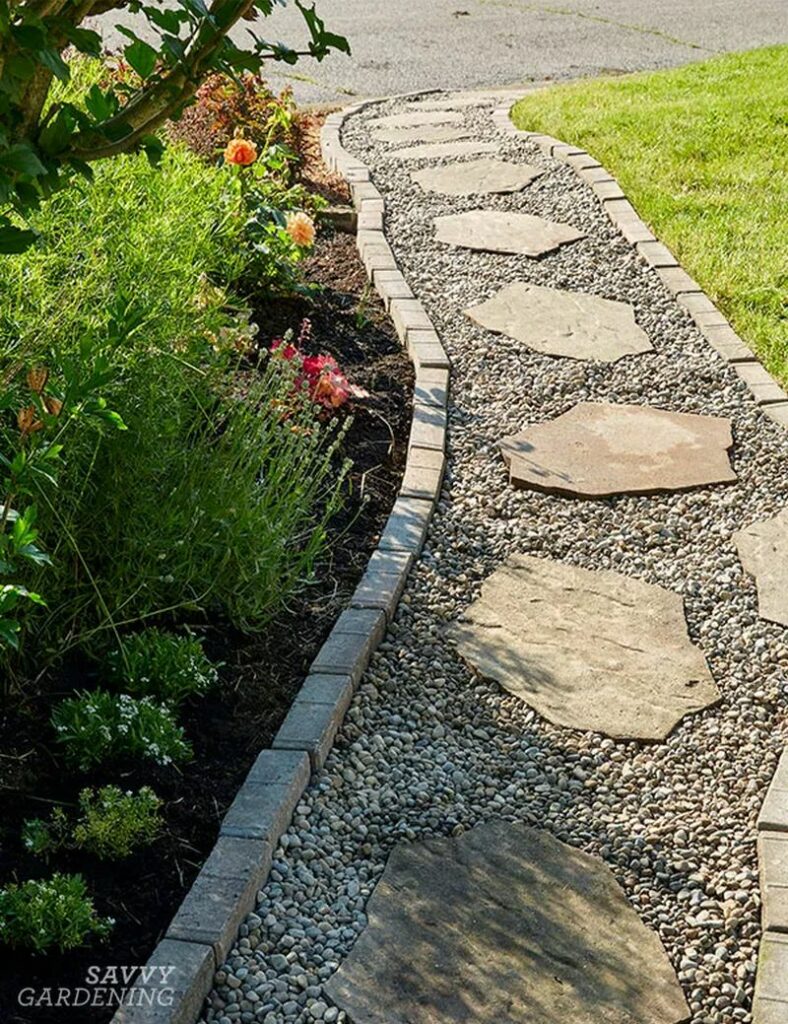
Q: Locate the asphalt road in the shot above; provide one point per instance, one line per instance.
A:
(405, 45)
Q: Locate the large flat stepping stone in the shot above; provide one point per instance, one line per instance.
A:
(442, 149)
(588, 650)
(504, 925)
(462, 100)
(417, 118)
(477, 177)
(561, 323)
(763, 550)
(500, 231)
(426, 133)
(597, 450)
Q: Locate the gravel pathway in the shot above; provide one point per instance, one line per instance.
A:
(429, 749)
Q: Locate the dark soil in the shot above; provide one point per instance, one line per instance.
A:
(260, 677)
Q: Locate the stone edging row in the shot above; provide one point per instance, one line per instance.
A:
(771, 990)
(203, 931)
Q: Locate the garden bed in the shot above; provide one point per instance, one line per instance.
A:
(258, 679)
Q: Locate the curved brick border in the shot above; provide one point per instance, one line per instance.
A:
(200, 936)
(770, 1005)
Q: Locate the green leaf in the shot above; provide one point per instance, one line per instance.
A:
(153, 148)
(102, 105)
(22, 158)
(322, 41)
(142, 57)
(52, 60)
(14, 239)
(55, 136)
(82, 38)
(168, 21)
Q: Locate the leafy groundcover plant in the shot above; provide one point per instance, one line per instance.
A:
(53, 913)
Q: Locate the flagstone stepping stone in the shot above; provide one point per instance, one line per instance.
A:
(763, 550)
(417, 118)
(426, 133)
(597, 450)
(561, 323)
(460, 101)
(440, 149)
(477, 177)
(501, 231)
(587, 650)
(504, 925)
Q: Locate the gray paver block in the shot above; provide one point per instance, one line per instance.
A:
(773, 870)
(771, 987)
(380, 590)
(364, 190)
(763, 386)
(774, 811)
(311, 727)
(361, 622)
(370, 220)
(708, 318)
(264, 804)
(696, 302)
(407, 525)
(179, 997)
(346, 653)
(608, 190)
(431, 386)
(426, 350)
(223, 893)
(678, 280)
(778, 412)
(424, 474)
(726, 341)
(657, 254)
(429, 427)
(327, 689)
(582, 161)
(391, 285)
(595, 173)
(408, 315)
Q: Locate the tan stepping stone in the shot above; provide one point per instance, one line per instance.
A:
(763, 550)
(440, 149)
(477, 177)
(501, 231)
(588, 650)
(461, 100)
(504, 925)
(560, 323)
(417, 118)
(426, 134)
(596, 450)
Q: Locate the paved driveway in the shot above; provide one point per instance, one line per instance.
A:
(403, 45)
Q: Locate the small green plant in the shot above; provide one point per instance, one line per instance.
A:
(44, 837)
(54, 912)
(99, 726)
(112, 824)
(162, 665)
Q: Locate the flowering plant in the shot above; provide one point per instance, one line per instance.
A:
(320, 375)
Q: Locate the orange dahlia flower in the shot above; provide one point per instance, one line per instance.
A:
(301, 229)
(241, 152)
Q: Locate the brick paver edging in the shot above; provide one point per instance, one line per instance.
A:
(205, 927)
(771, 989)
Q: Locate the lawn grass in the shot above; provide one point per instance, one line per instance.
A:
(701, 153)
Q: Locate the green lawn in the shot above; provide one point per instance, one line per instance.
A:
(702, 152)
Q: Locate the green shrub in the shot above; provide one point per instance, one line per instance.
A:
(210, 499)
(224, 106)
(99, 726)
(161, 665)
(112, 824)
(55, 912)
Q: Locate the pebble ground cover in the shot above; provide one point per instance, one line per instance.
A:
(430, 749)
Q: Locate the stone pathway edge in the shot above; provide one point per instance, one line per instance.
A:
(770, 1004)
(205, 926)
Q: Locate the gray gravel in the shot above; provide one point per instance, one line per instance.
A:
(429, 749)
